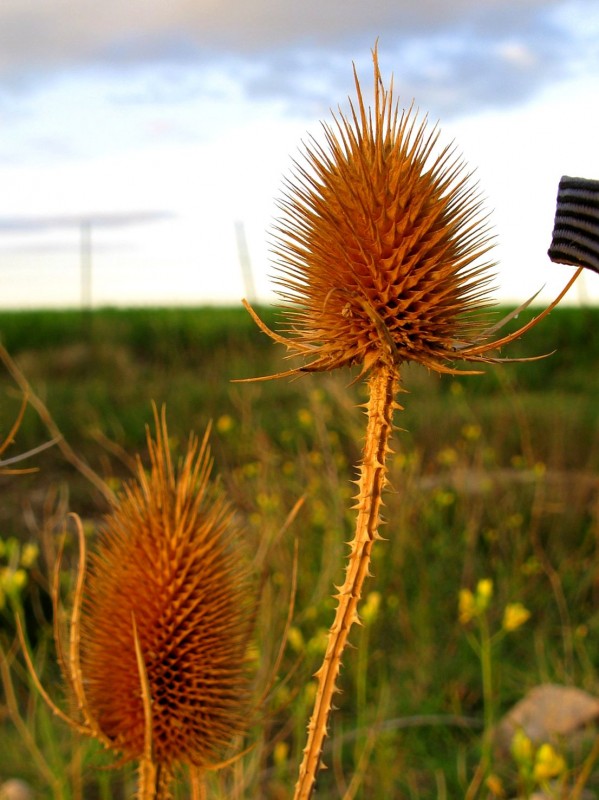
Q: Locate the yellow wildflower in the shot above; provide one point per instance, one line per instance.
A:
(484, 590)
(514, 615)
(548, 763)
(495, 786)
(522, 748)
(225, 423)
(370, 609)
(466, 606)
(29, 555)
(295, 639)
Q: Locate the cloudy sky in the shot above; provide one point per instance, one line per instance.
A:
(170, 127)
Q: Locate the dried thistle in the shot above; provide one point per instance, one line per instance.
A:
(161, 623)
(382, 250)
(381, 247)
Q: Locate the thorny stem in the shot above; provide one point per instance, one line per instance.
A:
(383, 385)
(154, 782)
(198, 785)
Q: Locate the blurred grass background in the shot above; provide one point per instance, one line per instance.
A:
(494, 476)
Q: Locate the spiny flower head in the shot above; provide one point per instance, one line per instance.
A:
(382, 247)
(167, 582)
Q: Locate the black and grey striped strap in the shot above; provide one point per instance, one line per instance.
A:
(576, 228)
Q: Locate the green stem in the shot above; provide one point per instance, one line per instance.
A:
(486, 648)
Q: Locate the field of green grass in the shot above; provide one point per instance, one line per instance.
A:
(493, 477)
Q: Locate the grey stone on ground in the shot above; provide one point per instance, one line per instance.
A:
(15, 789)
(549, 713)
(561, 715)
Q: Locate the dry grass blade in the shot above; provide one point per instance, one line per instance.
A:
(15, 427)
(34, 400)
(57, 613)
(20, 724)
(39, 686)
(583, 776)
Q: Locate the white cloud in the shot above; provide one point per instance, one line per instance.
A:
(35, 30)
(196, 107)
(136, 65)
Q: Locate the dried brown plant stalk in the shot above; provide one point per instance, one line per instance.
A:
(6, 464)
(383, 386)
(381, 250)
(57, 438)
(157, 654)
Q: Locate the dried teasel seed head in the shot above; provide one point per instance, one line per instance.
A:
(168, 578)
(380, 244)
(382, 249)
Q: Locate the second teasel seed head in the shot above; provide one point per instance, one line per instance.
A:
(168, 572)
